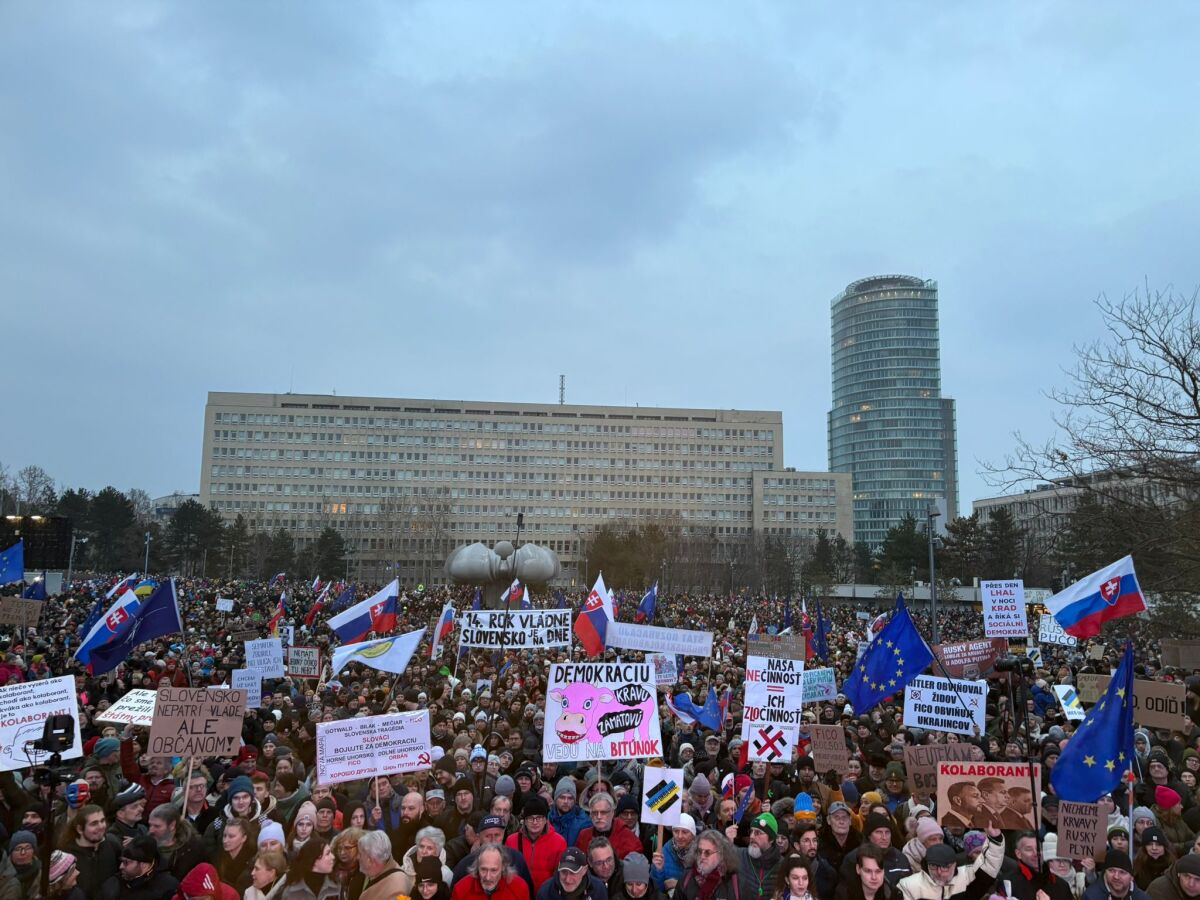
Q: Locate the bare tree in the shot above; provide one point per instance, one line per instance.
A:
(34, 490)
(143, 509)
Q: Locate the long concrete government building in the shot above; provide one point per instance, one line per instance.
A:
(404, 481)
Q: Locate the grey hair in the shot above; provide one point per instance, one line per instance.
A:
(602, 795)
(729, 858)
(507, 873)
(432, 833)
(376, 846)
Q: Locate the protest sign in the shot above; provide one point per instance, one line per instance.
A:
(529, 629)
(1156, 704)
(481, 685)
(828, 748)
(1082, 830)
(1004, 608)
(1050, 632)
(224, 604)
(1068, 698)
(265, 656)
(24, 708)
(946, 704)
(971, 659)
(20, 612)
(1096, 652)
(287, 635)
(921, 761)
(135, 708)
(662, 800)
(1182, 654)
(197, 722)
(653, 639)
(250, 681)
(601, 711)
(774, 691)
(790, 646)
(968, 792)
(862, 616)
(351, 749)
(820, 685)
(304, 662)
(665, 671)
(247, 635)
(768, 741)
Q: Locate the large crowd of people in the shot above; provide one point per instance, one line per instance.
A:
(493, 819)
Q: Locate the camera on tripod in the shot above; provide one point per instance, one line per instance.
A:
(58, 736)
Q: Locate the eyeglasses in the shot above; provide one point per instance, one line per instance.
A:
(707, 853)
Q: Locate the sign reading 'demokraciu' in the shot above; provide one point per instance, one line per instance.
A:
(601, 711)
(653, 639)
(528, 629)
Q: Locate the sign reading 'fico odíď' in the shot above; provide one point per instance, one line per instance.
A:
(1156, 704)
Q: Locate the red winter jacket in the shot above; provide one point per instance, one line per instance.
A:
(622, 839)
(156, 794)
(513, 888)
(203, 881)
(542, 855)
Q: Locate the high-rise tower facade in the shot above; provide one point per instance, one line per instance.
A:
(890, 427)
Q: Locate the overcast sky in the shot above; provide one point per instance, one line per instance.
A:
(446, 200)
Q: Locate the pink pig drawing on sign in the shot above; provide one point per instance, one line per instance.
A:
(589, 713)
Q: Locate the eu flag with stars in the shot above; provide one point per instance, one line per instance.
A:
(1097, 756)
(821, 636)
(896, 656)
(12, 563)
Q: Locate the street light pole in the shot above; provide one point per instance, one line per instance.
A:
(71, 558)
(932, 513)
(146, 562)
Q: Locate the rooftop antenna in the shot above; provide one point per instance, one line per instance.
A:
(292, 378)
(562, 390)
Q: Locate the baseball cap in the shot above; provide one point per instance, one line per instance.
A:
(573, 860)
(490, 822)
(838, 806)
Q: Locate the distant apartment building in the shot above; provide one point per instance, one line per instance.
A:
(890, 427)
(405, 481)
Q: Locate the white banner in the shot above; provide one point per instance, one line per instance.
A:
(224, 604)
(820, 685)
(666, 673)
(654, 639)
(930, 702)
(265, 656)
(135, 708)
(24, 708)
(1004, 609)
(527, 629)
(1050, 632)
(373, 745)
(662, 800)
(249, 681)
(601, 711)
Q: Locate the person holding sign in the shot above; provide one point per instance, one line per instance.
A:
(540, 844)
(944, 878)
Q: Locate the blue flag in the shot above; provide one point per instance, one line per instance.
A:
(12, 563)
(345, 598)
(896, 656)
(562, 599)
(648, 606)
(94, 616)
(787, 611)
(1097, 756)
(709, 716)
(821, 636)
(36, 591)
(157, 617)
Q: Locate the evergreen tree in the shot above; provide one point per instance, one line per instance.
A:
(1004, 553)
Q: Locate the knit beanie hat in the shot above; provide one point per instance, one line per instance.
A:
(505, 786)
(974, 840)
(1188, 864)
(61, 865)
(927, 827)
(767, 823)
(566, 785)
(635, 868)
(876, 821)
(105, 746)
(272, 831)
(428, 868)
(241, 785)
(700, 786)
(22, 837)
(1165, 797)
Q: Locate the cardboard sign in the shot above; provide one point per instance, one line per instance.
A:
(225, 604)
(1068, 699)
(820, 685)
(921, 762)
(1050, 632)
(789, 646)
(1156, 704)
(304, 662)
(666, 674)
(1082, 830)
(20, 612)
(601, 711)
(662, 800)
(974, 794)
(373, 745)
(946, 704)
(197, 722)
(135, 708)
(265, 656)
(828, 748)
(971, 659)
(1180, 654)
(529, 629)
(654, 639)
(1004, 609)
(247, 635)
(24, 708)
(1096, 652)
(249, 681)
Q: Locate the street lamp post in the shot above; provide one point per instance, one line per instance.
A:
(932, 513)
(71, 558)
(146, 562)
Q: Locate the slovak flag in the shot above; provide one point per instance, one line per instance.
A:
(316, 585)
(1111, 593)
(111, 625)
(280, 612)
(377, 613)
(444, 626)
(591, 625)
(278, 579)
(123, 585)
(753, 625)
(645, 610)
(316, 607)
(514, 594)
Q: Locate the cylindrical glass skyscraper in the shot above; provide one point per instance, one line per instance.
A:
(889, 426)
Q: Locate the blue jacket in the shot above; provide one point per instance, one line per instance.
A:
(672, 867)
(569, 825)
(594, 889)
(1097, 890)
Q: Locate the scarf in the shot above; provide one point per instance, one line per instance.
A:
(709, 884)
